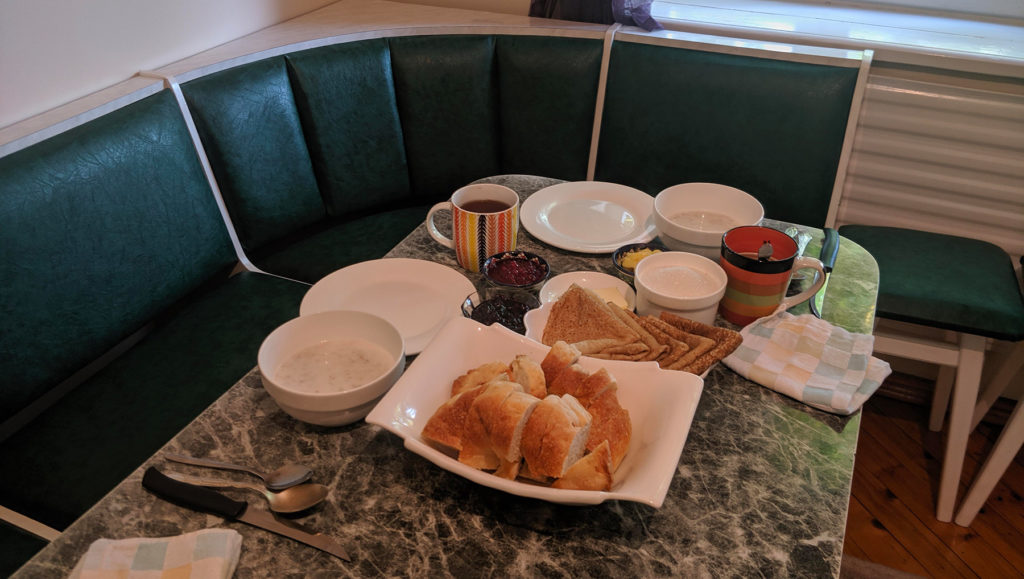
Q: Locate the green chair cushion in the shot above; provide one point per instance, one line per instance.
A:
(250, 128)
(774, 129)
(447, 94)
(96, 435)
(19, 547)
(346, 100)
(101, 228)
(319, 251)
(943, 281)
(547, 104)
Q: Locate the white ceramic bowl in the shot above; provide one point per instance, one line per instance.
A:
(693, 216)
(338, 407)
(684, 284)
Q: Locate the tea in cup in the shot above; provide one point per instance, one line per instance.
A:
(759, 262)
(485, 221)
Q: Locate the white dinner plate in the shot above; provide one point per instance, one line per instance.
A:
(415, 295)
(661, 405)
(589, 216)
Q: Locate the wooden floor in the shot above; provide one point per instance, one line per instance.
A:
(892, 508)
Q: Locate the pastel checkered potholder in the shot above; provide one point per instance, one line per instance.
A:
(811, 360)
(209, 553)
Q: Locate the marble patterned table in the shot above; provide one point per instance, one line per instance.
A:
(762, 487)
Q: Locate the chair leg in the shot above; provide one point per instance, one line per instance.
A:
(965, 396)
(1009, 365)
(940, 398)
(1007, 446)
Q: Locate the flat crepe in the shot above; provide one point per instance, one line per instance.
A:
(582, 319)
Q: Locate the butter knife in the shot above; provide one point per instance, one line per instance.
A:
(203, 499)
(829, 251)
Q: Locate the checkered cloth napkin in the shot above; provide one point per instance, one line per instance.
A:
(207, 553)
(811, 360)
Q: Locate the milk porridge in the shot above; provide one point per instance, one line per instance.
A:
(680, 281)
(704, 220)
(334, 366)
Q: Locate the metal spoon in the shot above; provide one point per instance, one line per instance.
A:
(291, 500)
(764, 253)
(288, 475)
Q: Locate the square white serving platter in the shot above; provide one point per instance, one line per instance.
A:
(661, 405)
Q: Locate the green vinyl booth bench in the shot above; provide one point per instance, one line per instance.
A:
(145, 253)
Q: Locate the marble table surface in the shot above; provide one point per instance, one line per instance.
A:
(762, 486)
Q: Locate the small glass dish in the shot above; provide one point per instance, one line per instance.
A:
(516, 270)
(624, 273)
(500, 305)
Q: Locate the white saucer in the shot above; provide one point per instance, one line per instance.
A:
(417, 296)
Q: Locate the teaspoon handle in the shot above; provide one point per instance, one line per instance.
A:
(210, 463)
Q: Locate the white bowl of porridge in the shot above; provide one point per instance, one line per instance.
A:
(693, 216)
(331, 368)
(681, 283)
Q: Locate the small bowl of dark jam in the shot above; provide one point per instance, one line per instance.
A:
(516, 269)
(500, 305)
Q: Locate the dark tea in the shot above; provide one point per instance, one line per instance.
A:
(484, 206)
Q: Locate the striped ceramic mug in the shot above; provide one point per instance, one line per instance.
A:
(757, 286)
(485, 221)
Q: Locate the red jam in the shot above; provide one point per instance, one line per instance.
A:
(517, 270)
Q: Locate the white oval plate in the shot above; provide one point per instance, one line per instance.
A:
(589, 216)
(415, 295)
(661, 405)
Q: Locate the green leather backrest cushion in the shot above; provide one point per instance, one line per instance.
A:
(250, 129)
(346, 100)
(547, 91)
(772, 128)
(101, 228)
(447, 94)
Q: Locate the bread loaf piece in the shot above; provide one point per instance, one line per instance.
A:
(555, 436)
(449, 420)
(530, 375)
(505, 427)
(593, 472)
(477, 450)
(559, 357)
(610, 423)
(481, 375)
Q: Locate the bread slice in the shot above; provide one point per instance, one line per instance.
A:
(569, 381)
(530, 375)
(593, 472)
(555, 436)
(610, 423)
(582, 385)
(505, 427)
(480, 375)
(559, 357)
(447, 424)
(477, 450)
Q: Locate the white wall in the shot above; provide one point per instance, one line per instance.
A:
(55, 51)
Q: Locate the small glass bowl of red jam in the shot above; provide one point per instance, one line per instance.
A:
(516, 269)
(495, 305)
